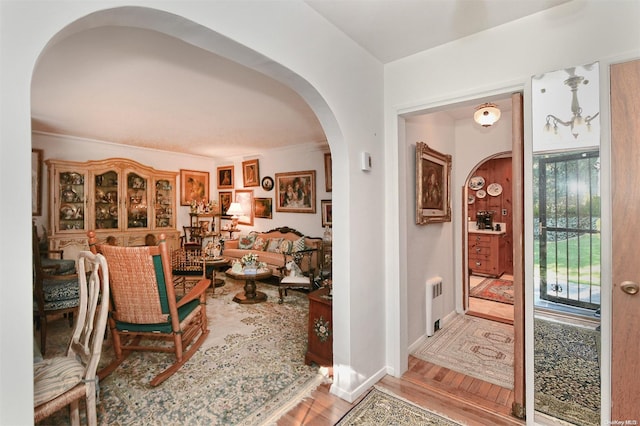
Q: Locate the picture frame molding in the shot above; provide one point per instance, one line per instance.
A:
(219, 171)
(282, 180)
(185, 175)
(428, 162)
(249, 181)
(36, 181)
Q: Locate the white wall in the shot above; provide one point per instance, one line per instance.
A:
(341, 82)
(496, 61)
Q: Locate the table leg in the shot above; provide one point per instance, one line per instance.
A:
(250, 295)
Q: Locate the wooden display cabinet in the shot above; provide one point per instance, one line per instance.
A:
(115, 197)
(320, 347)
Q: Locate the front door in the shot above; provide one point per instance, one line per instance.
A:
(625, 192)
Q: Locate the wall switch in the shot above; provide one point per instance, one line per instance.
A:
(504, 212)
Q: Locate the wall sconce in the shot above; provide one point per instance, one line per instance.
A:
(235, 210)
(486, 114)
(577, 123)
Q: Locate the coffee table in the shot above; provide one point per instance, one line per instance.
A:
(249, 295)
(212, 265)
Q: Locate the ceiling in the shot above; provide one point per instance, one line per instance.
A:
(143, 88)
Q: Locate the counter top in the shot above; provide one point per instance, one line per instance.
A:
(473, 230)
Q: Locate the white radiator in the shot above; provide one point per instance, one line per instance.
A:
(435, 304)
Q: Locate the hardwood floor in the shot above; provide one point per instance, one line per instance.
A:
(462, 398)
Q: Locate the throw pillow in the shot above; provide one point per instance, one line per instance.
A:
(274, 245)
(298, 245)
(246, 242)
(285, 246)
(259, 244)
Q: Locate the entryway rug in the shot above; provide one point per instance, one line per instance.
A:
(473, 346)
(249, 371)
(494, 289)
(567, 372)
(381, 407)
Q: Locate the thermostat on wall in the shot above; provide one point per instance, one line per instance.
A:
(366, 162)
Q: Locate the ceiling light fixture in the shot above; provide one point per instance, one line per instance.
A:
(487, 114)
(577, 122)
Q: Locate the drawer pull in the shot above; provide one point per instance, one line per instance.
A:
(478, 250)
(478, 263)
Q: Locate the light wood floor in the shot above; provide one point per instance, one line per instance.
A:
(496, 311)
(457, 396)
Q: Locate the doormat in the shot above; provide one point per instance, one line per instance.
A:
(494, 289)
(381, 407)
(476, 347)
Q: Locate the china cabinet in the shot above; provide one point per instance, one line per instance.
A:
(115, 197)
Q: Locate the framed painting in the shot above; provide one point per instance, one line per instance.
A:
(194, 186)
(36, 182)
(224, 201)
(263, 208)
(327, 214)
(250, 173)
(245, 198)
(433, 192)
(296, 192)
(327, 172)
(225, 177)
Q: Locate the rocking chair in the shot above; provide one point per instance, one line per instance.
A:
(144, 305)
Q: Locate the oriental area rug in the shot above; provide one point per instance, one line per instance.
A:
(494, 289)
(473, 346)
(567, 372)
(381, 407)
(249, 371)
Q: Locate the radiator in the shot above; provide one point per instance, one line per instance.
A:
(435, 304)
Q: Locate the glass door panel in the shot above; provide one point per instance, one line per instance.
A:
(137, 201)
(106, 193)
(72, 200)
(163, 204)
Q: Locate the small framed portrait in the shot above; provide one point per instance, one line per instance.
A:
(194, 186)
(224, 201)
(433, 194)
(296, 192)
(245, 198)
(327, 216)
(36, 182)
(327, 172)
(250, 173)
(225, 177)
(267, 183)
(263, 208)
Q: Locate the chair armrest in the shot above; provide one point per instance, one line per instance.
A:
(195, 292)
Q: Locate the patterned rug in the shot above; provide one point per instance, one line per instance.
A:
(473, 346)
(249, 371)
(567, 372)
(494, 289)
(381, 407)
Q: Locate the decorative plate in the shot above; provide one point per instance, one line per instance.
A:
(69, 195)
(494, 189)
(481, 193)
(113, 211)
(267, 183)
(102, 213)
(476, 182)
(471, 199)
(67, 212)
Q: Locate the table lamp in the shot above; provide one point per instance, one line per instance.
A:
(235, 210)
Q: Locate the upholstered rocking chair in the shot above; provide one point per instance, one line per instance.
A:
(65, 380)
(144, 306)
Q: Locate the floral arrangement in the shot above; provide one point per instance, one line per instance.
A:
(249, 258)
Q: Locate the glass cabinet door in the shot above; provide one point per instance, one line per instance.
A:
(106, 202)
(137, 201)
(72, 201)
(164, 200)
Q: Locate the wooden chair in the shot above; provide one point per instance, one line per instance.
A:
(187, 266)
(292, 275)
(144, 305)
(192, 235)
(53, 293)
(65, 380)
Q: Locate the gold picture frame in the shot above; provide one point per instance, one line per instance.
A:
(296, 192)
(225, 177)
(224, 201)
(327, 212)
(194, 186)
(433, 180)
(36, 181)
(250, 173)
(327, 172)
(263, 208)
(245, 198)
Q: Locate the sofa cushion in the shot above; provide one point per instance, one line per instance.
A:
(246, 242)
(285, 246)
(259, 244)
(298, 245)
(273, 245)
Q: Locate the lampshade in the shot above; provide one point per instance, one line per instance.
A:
(486, 114)
(235, 209)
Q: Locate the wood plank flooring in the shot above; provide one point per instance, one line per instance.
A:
(462, 398)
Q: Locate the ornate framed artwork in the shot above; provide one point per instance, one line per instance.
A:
(327, 213)
(267, 183)
(224, 201)
(245, 198)
(263, 208)
(296, 192)
(250, 173)
(225, 177)
(327, 172)
(194, 186)
(433, 192)
(36, 182)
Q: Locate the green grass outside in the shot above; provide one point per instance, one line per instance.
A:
(577, 262)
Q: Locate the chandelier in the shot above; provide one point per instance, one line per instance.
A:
(577, 123)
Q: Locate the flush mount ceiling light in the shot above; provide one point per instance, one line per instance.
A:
(486, 114)
(577, 123)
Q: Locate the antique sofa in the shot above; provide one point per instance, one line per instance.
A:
(275, 248)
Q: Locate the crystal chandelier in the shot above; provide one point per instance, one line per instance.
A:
(577, 123)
